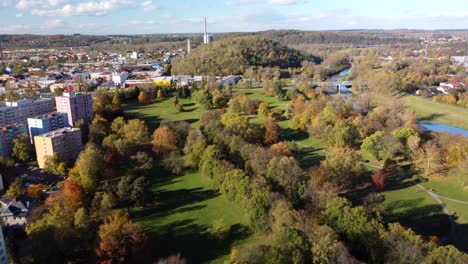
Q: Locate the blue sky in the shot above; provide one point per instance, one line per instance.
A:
(157, 16)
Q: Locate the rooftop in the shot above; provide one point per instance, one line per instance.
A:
(59, 132)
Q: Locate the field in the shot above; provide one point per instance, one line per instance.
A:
(409, 205)
(187, 207)
(164, 109)
(427, 110)
(187, 204)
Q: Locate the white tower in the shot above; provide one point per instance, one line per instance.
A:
(207, 38)
(188, 46)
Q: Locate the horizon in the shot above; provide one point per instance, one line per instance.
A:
(233, 32)
(143, 17)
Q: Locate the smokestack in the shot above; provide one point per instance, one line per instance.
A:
(188, 46)
(205, 35)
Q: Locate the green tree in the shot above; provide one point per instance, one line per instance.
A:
(342, 134)
(16, 188)
(208, 160)
(361, 231)
(235, 122)
(374, 145)
(81, 219)
(88, 168)
(23, 150)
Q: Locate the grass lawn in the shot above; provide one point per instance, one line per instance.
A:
(427, 110)
(164, 109)
(409, 205)
(461, 219)
(448, 186)
(187, 207)
(256, 93)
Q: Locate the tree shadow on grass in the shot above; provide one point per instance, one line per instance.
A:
(460, 239)
(309, 157)
(424, 220)
(430, 117)
(292, 134)
(192, 241)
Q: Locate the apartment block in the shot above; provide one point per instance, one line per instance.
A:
(7, 135)
(19, 111)
(3, 252)
(77, 106)
(45, 123)
(64, 142)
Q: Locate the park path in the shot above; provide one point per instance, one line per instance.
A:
(435, 196)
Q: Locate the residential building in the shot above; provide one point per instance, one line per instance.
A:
(46, 81)
(77, 106)
(45, 123)
(119, 78)
(19, 111)
(16, 212)
(7, 135)
(65, 143)
(3, 252)
(445, 87)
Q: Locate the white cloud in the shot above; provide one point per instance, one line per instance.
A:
(19, 15)
(98, 8)
(284, 2)
(5, 3)
(149, 6)
(46, 27)
(43, 4)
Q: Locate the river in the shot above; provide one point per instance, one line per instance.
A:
(428, 126)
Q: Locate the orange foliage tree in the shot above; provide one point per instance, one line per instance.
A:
(120, 239)
(164, 141)
(271, 132)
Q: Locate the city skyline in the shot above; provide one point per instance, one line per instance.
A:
(182, 16)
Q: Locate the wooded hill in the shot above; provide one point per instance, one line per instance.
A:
(232, 55)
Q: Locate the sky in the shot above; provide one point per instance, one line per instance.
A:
(103, 17)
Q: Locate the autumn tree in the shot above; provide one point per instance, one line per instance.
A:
(285, 172)
(271, 132)
(16, 188)
(143, 97)
(135, 132)
(119, 239)
(263, 110)
(23, 150)
(164, 141)
(379, 179)
(72, 195)
(428, 158)
(343, 167)
(36, 191)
